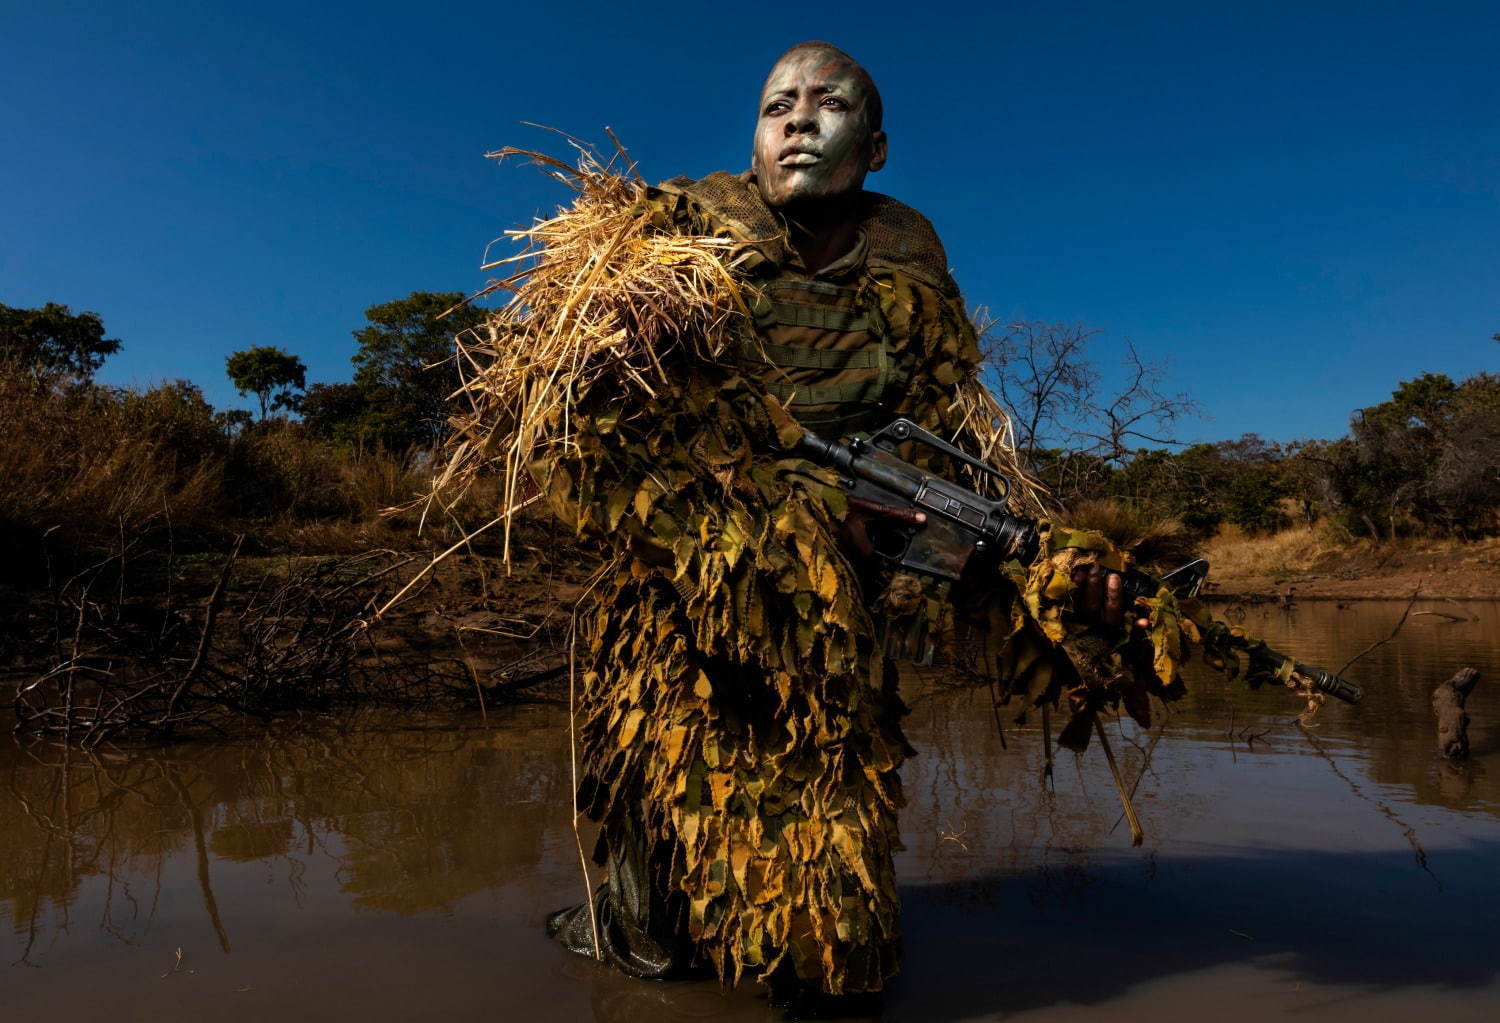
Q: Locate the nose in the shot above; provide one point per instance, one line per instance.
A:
(801, 121)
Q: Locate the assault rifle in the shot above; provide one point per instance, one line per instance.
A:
(937, 527)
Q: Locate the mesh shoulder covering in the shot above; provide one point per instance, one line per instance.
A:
(900, 238)
(735, 203)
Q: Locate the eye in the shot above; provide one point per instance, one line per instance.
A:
(834, 103)
(775, 107)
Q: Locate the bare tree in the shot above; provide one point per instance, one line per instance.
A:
(1042, 373)
(1063, 416)
(1141, 406)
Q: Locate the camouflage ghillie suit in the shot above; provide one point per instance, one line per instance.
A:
(740, 729)
(741, 733)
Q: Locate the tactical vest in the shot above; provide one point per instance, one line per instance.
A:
(821, 349)
(821, 345)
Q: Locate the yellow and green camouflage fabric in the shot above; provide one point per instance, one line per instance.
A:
(734, 704)
(736, 713)
(1023, 630)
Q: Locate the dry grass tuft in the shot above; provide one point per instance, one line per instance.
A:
(985, 422)
(1235, 554)
(595, 296)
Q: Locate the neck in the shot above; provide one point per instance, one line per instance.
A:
(822, 230)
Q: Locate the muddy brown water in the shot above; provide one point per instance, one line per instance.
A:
(372, 867)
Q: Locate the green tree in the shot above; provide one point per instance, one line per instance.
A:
(270, 374)
(333, 411)
(404, 366)
(54, 340)
(1464, 484)
(1187, 484)
(233, 422)
(1253, 497)
(343, 413)
(1429, 458)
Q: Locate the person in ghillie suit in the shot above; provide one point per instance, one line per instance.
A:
(742, 735)
(739, 725)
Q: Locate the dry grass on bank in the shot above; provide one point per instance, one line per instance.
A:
(86, 470)
(72, 461)
(1300, 550)
(1319, 563)
(1235, 554)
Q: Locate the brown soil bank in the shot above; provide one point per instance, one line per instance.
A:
(1300, 563)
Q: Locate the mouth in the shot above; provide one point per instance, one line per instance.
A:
(797, 156)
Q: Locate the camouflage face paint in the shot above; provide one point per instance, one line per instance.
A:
(813, 139)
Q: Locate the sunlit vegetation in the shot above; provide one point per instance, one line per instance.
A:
(1425, 463)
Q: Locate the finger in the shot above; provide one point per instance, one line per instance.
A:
(1114, 599)
(1093, 591)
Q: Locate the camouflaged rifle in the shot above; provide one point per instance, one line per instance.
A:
(962, 527)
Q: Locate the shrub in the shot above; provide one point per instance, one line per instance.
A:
(84, 465)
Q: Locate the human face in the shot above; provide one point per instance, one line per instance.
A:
(812, 140)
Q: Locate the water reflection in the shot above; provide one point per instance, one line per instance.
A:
(414, 819)
(400, 867)
(1394, 727)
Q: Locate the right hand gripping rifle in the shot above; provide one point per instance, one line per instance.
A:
(961, 525)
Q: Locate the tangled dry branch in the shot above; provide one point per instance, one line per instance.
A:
(114, 655)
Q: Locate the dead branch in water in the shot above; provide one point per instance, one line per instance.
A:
(1394, 633)
(1137, 834)
(1407, 831)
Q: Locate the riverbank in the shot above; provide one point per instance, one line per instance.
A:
(154, 644)
(1300, 564)
(160, 644)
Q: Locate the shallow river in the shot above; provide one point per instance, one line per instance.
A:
(376, 868)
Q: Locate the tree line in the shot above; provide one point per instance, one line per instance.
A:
(313, 469)
(398, 396)
(1425, 461)
(403, 375)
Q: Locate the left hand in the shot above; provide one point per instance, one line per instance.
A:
(1100, 597)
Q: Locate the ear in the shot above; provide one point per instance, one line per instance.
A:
(878, 151)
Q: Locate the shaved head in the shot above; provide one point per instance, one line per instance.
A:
(818, 133)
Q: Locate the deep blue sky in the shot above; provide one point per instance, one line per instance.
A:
(1298, 205)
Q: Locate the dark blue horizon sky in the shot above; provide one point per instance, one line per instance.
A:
(1298, 205)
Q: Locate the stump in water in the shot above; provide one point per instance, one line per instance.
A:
(1453, 721)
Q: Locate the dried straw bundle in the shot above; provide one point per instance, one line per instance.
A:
(985, 429)
(596, 294)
